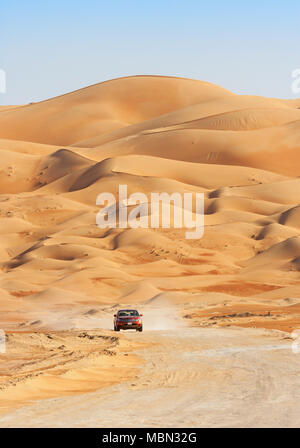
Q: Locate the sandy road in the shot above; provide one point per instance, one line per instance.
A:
(202, 377)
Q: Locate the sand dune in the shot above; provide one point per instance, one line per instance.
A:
(190, 116)
(274, 149)
(112, 104)
(291, 217)
(154, 134)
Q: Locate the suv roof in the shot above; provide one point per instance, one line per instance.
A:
(127, 309)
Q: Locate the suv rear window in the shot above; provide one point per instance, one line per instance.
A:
(128, 313)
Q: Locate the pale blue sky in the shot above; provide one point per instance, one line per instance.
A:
(52, 47)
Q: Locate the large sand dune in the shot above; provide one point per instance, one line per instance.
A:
(155, 134)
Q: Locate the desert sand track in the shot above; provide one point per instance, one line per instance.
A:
(229, 377)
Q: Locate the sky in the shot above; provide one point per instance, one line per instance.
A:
(48, 48)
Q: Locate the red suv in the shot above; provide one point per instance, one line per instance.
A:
(128, 320)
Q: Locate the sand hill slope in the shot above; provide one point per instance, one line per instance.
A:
(154, 134)
(103, 107)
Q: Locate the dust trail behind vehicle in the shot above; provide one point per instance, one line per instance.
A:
(161, 317)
